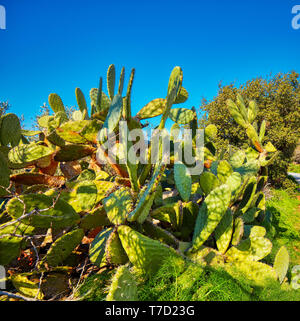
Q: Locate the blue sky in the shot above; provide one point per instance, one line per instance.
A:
(56, 46)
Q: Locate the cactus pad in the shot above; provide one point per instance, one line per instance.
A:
(60, 215)
(210, 214)
(10, 130)
(117, 205)
(281, 263)
(183, 181)
(62, 248)
(143, 252)
(123, 286)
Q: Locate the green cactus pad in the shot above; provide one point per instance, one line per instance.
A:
(249, 215)
(143, 252)
(281, 263)
(60, 216)
(153, 109)
(261, 183)
(175, 82)
(121, 81)
(24, 155)
(10, 130)
(62, 248)
(210, 214)
(81, 101)
(84, 196)
(127, 147)
(223, 232)
(127, 105)
(248, 195)
(235, 113)
(224, 170)
(237, 159)
(97, 247)
(94, 218)
(70, 131)
(208, 182)
(10, 246)
(165, 213)
(103, 188)
(182, 96)
(123, 286)
(112, 119)
(183, 181)
(114, 251)
(26, 287)
(91, 130)
(181, 115)
(111, 78)
(146, 198)
(59, 118)
(238, 231)
(262, 131)
(259, 274)
(117, 205)
(105, 101)
(56, 103)
(160, 234)
(78, 115)
(252, 111)
(255, 248)
(43, 121)
(234, 182)
(54, 139)
(252, 134)
(249, 168)
(206, 256)
(72, 152)
(4, 174)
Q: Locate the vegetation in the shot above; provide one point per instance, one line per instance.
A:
(294, 168)
(66, 215)
(278, 101)
(284, 210)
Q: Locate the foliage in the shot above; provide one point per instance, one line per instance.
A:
(121, 216)
(278, 101)
(190, 282)
(3, 107)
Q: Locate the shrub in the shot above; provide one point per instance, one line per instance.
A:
(278, 99)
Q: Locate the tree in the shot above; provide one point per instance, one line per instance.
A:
(3, 107)
(278, 98)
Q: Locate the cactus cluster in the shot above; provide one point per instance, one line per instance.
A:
(134, 214)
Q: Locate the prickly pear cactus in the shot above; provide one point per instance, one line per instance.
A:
(56, 185)
(123, 286)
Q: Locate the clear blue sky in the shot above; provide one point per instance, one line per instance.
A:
(58, 45)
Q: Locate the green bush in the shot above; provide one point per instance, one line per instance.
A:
(278, 100)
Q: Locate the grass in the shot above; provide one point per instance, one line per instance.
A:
(192, 282)
(284, 209)
(294, 168)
